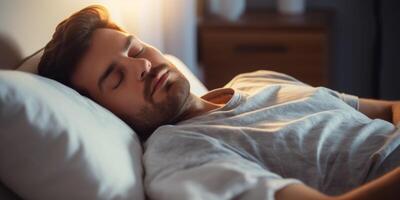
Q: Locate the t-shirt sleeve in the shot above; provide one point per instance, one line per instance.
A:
(349, 99)
(199, 167)
(352, 100)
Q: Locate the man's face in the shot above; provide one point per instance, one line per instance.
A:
(131, 79)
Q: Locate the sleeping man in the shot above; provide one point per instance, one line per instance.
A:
(265, 135)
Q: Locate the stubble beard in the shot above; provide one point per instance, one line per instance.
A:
(166, 112)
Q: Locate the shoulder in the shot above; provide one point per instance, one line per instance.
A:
(173, 148)
(255, 81)
(262, 78)
(178, 136)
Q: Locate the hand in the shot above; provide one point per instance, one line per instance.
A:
(396, 112)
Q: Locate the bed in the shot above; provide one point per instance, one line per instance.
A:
(55, 143)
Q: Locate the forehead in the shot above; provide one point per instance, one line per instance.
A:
(105, 44)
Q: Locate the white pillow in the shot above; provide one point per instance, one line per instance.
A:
(196, 86)
(57, 144)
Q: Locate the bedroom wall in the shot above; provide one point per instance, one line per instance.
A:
(390, 63)
(179, 28)
(26, 26)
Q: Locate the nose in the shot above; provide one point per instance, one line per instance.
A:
(140, 66)
(145, 68)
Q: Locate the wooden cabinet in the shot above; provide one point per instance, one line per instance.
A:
(295, 45)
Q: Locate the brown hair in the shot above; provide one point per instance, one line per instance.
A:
(70, 41)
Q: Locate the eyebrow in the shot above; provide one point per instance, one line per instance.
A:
(111, 67)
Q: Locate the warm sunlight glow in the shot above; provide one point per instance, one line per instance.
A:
(144, 18)
(141, 17)
(113, 7)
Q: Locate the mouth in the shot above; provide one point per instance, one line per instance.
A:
(159, 81)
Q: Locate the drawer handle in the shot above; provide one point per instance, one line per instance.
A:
(260, 48)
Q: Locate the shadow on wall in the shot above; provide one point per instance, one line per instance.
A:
(10, 54)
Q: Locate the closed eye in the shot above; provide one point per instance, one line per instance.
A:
(121, 77)
(140, 52)
(135, 48)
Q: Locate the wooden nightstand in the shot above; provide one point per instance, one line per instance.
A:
(295, 45)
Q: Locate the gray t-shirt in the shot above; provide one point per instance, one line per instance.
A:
(273, 132)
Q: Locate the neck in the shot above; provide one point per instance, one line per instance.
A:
(195, 106)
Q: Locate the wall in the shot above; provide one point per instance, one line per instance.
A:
(390, 62)
(26, 26)
(179, 26)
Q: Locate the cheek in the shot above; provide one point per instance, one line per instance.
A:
(124, 102)
(115, 104)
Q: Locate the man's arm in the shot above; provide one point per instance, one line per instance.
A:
(386, 110)
(386, 187)
(396, 113)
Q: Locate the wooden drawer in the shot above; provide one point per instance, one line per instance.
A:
(226, 53)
